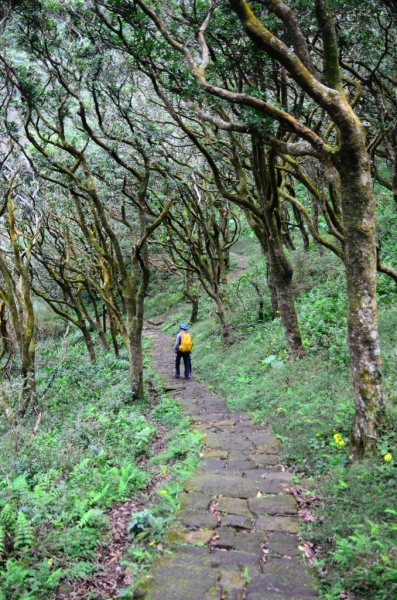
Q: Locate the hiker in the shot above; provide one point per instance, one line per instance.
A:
(182, 349)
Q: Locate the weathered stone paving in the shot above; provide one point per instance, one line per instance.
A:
(234, 536)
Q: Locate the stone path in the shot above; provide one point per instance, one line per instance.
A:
(234, 537)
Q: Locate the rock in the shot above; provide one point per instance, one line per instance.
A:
(235, 561)
(237, 522)
(283, 544)
(286, 524)
(167, 581)
(272, 486)
(288, 578)
(192, 519)
(268, 448)
(226, 442)
(176, 535)
(265, 459)
(239, 455)
(249, 541)
(234, 506)
(223, 454)
(246, 465)
(232, 585)
(257, 475)
(195, 501)
(273, 505)
(212, 463)
(261, 437)
(209, 483)
(65, 589)
(226, 538)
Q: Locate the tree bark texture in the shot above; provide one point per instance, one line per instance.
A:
(358, 207)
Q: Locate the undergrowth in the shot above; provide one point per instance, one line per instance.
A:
(92, 448)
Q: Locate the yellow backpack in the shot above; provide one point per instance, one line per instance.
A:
(186, 344)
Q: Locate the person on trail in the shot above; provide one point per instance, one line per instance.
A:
(182, 349)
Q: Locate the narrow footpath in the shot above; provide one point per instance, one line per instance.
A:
(235, 535)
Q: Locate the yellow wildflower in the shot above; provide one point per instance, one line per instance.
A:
(280, 408)
(152, 543)
(164, 471)
(318, 434)
(338, 439)
(388, 457)
(163, 492)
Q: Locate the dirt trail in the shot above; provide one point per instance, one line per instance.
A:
(234, 536)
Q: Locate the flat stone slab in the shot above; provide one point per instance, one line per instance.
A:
(250, 541)
(238, 561)
(237, 522)
(285, 524)
(283, 544)
(265, 459)
(239, 455)
(261, 437)
(268, 448)
(208, 483)
(212, 463)
(258, 475)
(196, 519)
(175, 536)
(242, 465)
(175, 582)
(272, 486)
(273, 505)
(222, 454)
(234, 506)
(283, 578)
(226, 442)
(225, 538)
(195, 501)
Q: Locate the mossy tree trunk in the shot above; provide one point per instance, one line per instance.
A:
(358, 208)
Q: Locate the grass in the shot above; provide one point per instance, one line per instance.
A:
(310, 407)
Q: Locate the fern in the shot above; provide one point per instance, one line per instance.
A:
(21, 488)
(7, 514)
(89, 517)
(23, 533)
(96, 497)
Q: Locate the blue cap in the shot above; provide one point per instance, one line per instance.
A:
(183, 326)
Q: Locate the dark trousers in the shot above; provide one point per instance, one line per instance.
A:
(186, 362)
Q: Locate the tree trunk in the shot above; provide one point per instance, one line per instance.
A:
(136, 359)
(195, 307)
(272, 289)
(319, 248)
(220, 311)
(192, 296)
(282, 276)
(104, 317)
(113, 333)
(28, 375)
(358, 206)
(95, 324)
(302, 228)
(88, 341)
